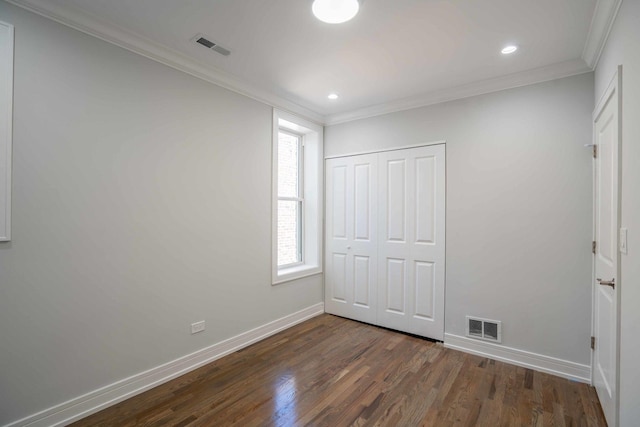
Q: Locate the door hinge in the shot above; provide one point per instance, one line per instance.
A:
(593, 343)
(593, 247)
(595, 151)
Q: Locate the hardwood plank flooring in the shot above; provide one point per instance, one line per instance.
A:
(330, 371)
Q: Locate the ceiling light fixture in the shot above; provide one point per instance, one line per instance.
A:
(335, 11)
(333, 96)
(509, 49)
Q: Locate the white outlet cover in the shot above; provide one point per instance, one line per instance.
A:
(197, 327)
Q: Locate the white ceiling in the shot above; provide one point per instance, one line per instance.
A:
(392, 50)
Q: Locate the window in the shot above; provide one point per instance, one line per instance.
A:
(290, 198)
(297, 198)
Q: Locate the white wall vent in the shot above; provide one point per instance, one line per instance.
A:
(484, 329)
(206, 42)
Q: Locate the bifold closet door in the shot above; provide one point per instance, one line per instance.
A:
(351, 244)
(411, 244)
(385, 225)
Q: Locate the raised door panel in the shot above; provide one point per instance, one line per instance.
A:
(362, 281)
(396, 284)
(339, 202)
(338, 275)
(395, 189)
(362, 202)
(425, 200)
(606, 204)
(424, 287)
(604, 331)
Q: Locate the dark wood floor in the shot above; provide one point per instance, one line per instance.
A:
(330, 371)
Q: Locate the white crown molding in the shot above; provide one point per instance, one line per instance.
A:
(603, 18)
(524, 78)
(602, 21)
(539, 362)
(94, 401)
(135, 43)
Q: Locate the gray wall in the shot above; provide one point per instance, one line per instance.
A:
(518, 207)
(623, 47)
(141, 203)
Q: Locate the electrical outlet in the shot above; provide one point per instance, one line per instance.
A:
(197, 327)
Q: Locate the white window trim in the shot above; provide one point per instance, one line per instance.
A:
(313, 180)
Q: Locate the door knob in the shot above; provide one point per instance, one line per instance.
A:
(611, 282)
(348, 247)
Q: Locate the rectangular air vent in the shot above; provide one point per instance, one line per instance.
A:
(206, 42)
(484, 329)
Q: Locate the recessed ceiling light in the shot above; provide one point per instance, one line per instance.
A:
(335, 11)
(333, 96)
(509, 49)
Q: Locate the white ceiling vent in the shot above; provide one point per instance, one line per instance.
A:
(484, 329)
(206, 42)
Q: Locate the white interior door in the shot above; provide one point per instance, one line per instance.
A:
(351, 243)
(605, 289)
(411, 255)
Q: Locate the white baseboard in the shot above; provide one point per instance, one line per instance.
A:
(550, 365)
(82, 406)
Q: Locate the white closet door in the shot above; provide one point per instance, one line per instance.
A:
(351, 244)
(411, 233)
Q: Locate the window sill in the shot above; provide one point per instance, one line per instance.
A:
(295, 272)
